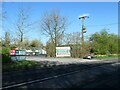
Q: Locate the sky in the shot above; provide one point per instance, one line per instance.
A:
(101, 15)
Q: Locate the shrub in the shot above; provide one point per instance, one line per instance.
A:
(6, 55)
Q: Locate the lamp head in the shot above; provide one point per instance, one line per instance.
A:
(84, 16)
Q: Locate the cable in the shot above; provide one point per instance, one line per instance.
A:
(102, 25)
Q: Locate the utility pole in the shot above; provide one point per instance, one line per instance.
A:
(83, 31)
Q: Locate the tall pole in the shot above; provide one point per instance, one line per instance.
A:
(83, 17)
(82, 36)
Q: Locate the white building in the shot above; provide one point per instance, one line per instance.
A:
(29, 52)
(42, 51)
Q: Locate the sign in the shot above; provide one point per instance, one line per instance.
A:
(20, 52)
(18, 55)
(12, 52)
(63, 52)
(17, 52)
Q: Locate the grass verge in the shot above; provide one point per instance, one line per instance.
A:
(25, 64)
(106, 57)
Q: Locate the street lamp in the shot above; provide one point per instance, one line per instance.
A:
(83, 30)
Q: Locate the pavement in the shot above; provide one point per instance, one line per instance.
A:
(68, 60)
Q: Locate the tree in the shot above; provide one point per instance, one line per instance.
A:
(72, 38)
(26, 44)
(2, 12)
(6, 48)
(104, 43)
(2, 17)
(74, 41)
(23, 24)
(6, 41)
(36, 44)
(50, 49)
(53, 25)
(113, 44)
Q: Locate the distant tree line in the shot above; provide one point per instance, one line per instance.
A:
(12, 43)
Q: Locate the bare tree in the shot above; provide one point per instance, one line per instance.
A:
(23, 23)
(53, 25)
(74, 41)
(2, 12)
(6, 40)
(72, 38)
(2, 17)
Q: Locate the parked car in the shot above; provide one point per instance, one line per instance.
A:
(88, 56)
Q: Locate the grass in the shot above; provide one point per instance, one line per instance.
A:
(19, 65)
(106, 56)
(25, 64)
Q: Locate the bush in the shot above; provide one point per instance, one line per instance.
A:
(6, 55)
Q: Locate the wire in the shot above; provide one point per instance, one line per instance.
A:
(102, 25)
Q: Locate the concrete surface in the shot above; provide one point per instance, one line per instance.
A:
(66, 60)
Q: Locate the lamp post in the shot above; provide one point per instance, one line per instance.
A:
(83, 31)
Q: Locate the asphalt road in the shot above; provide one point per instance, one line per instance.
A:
(103, 76)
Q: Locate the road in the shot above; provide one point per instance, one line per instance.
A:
(73, 73)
